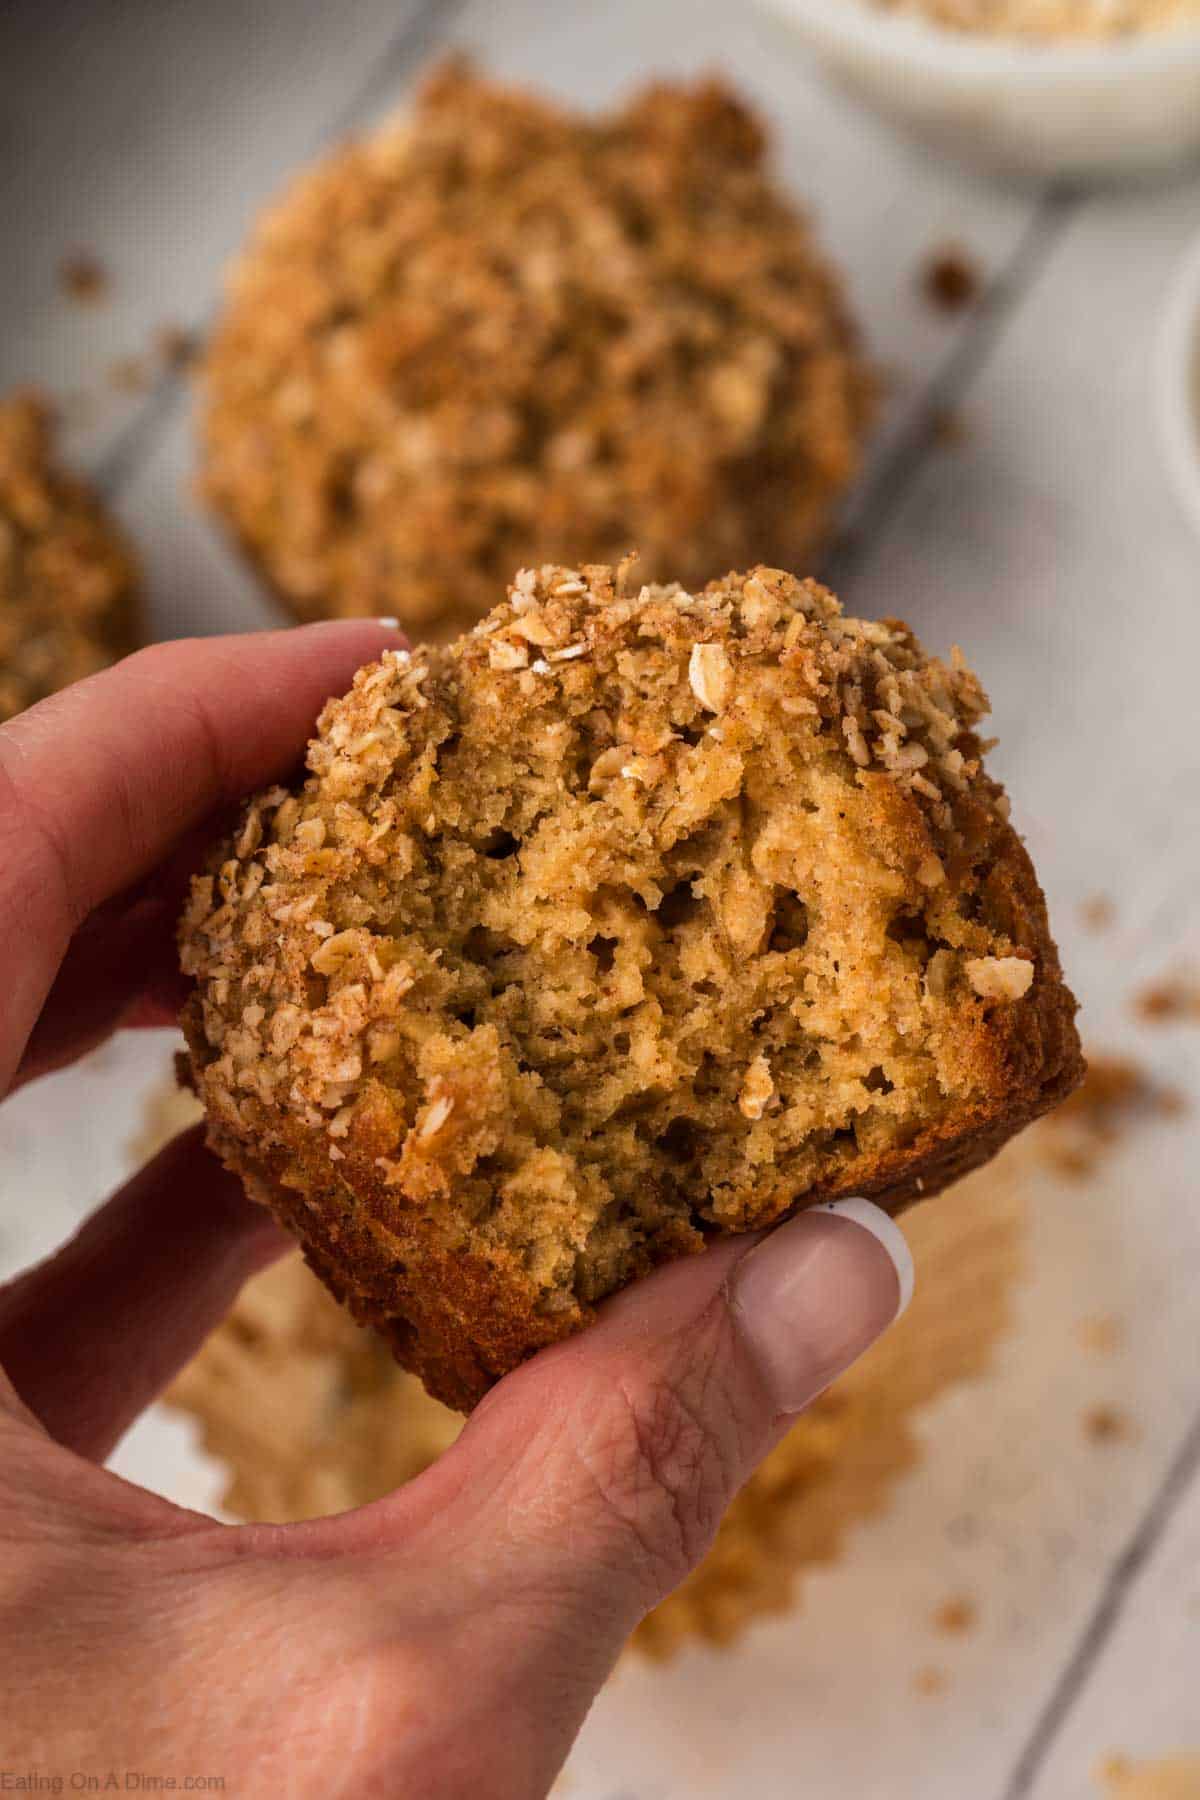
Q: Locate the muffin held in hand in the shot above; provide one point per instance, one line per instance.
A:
(498, 331)
(68, 580)
(629, 918)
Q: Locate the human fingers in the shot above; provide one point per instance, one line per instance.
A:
(91, 1336)
(592, 1480)
(97, 783)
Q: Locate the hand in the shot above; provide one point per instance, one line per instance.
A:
(445, 1641)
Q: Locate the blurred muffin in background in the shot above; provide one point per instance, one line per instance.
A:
(68, 579)
(310, 1415)
(497, 332)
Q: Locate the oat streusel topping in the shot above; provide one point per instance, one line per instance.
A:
(67, 577)
(499, 332)
(633, 915)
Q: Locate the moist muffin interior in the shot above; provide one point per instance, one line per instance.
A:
(631, 917)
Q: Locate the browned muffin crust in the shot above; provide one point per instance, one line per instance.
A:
(628, 918)
(500, 332)
(68, 579)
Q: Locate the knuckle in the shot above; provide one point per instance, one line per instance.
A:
(34, 855)
(665, 1457)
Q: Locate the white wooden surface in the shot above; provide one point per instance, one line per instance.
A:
(1048, 544)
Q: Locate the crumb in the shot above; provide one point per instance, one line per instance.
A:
(176, 347)
(1113, 1088)
(1097, 913)
(1168, 1001)
(84, 278)
(930, 1681)
(129, 375)
(1102, 1335)
(171, 349)
(950, 279)
(1115, 1094)
(1164, 1778)
(949, 429)
(956, 1617)
(1108, 1425)
(1069, 1160)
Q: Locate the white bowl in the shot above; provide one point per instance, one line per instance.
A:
(1177, 379)
(1062, 111)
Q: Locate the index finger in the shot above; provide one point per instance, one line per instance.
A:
(98, 782)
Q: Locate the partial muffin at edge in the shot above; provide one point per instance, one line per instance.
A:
(631, 917)
(68, 578)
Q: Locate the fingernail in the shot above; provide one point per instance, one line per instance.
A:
(814, 1295)
(885, 1230)
(389, 624)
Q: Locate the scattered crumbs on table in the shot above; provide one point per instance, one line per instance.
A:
(1097, 913)
(956, 1617)
(1117, 1092)
(1168, 1001)
(171, 349)
(1102, 1335)
(175, 346)
(1166, 1778)
(950, 278)
(1108, 1425)
(129, 375)
(84, 278)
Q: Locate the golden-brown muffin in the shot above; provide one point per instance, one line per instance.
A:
(68, 580)
(500, 332)
(625, 919)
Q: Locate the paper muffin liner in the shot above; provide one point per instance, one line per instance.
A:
(310, 1415)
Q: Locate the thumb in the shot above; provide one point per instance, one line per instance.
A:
(589, 1482)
